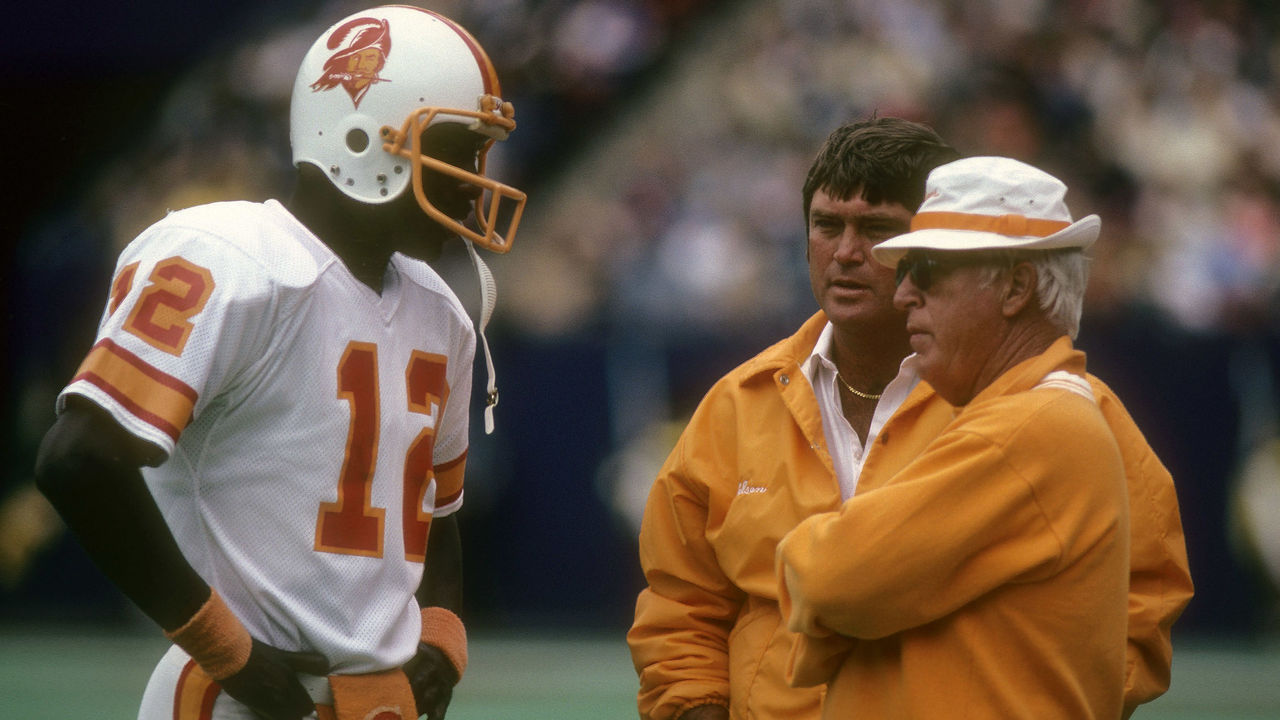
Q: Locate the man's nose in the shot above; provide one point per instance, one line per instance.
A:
(852, 248)
(907, 295)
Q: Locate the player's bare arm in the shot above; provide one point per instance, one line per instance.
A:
(432, 672)
(88, 468)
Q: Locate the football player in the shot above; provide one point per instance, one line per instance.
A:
(264, 449)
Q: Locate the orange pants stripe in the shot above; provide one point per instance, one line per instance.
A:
(194, 695)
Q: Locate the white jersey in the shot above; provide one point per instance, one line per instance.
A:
(313, 427)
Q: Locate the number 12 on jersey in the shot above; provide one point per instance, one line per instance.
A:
(352, 525)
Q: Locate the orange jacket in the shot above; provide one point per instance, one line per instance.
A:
(989, 577)
(750, 466)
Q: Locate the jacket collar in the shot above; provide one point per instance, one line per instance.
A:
(1061, 355)
(789, 352)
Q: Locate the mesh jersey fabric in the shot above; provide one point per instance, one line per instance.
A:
(313, 427)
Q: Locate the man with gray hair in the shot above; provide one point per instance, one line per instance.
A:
(989, 576)
(789, 433)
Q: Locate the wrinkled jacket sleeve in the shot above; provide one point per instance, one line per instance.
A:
(975, 541)
(680, 639)
(1160, 579)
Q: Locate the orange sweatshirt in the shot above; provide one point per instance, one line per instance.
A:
(750, 466)
(989, 577)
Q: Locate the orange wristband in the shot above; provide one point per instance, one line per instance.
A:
(214, 638)
(442, 629)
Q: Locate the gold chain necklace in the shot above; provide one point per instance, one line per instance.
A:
(859, 393)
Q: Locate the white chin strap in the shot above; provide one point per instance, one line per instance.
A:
(488, 299)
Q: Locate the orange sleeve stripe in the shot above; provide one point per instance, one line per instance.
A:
(194, 695)
(449, 480)
(1012, 225)
(155, 397)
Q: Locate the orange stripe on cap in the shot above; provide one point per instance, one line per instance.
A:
(487, 71)
(155, 397)
(1011, 225)
(195, 693)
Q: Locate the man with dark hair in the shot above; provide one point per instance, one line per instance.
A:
(788, 433)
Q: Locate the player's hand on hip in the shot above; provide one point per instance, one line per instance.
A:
(432, 678)
(268, 682)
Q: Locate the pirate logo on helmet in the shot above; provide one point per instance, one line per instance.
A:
(355, 65)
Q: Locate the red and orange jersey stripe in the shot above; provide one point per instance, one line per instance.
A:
(194, 694)
(153, 396)
(449, 480)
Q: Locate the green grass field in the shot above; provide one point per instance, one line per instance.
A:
(56, 675)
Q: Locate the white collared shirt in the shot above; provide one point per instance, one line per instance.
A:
(848, 452)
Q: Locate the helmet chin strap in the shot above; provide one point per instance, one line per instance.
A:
(488, 299)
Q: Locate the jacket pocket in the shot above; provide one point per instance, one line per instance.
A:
(748, 642)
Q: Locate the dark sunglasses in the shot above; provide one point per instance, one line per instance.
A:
(925, 268)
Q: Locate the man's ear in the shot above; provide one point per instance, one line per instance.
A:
(1020, 291)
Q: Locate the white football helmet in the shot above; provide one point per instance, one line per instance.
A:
(372, 83)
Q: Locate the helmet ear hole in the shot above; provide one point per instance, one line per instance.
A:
(361, 100)
(357, 140)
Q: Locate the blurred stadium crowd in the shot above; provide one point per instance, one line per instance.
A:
(663, 144)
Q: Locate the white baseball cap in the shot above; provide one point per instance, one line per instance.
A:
(991, 203)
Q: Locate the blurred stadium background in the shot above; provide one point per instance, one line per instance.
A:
(663, 144)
